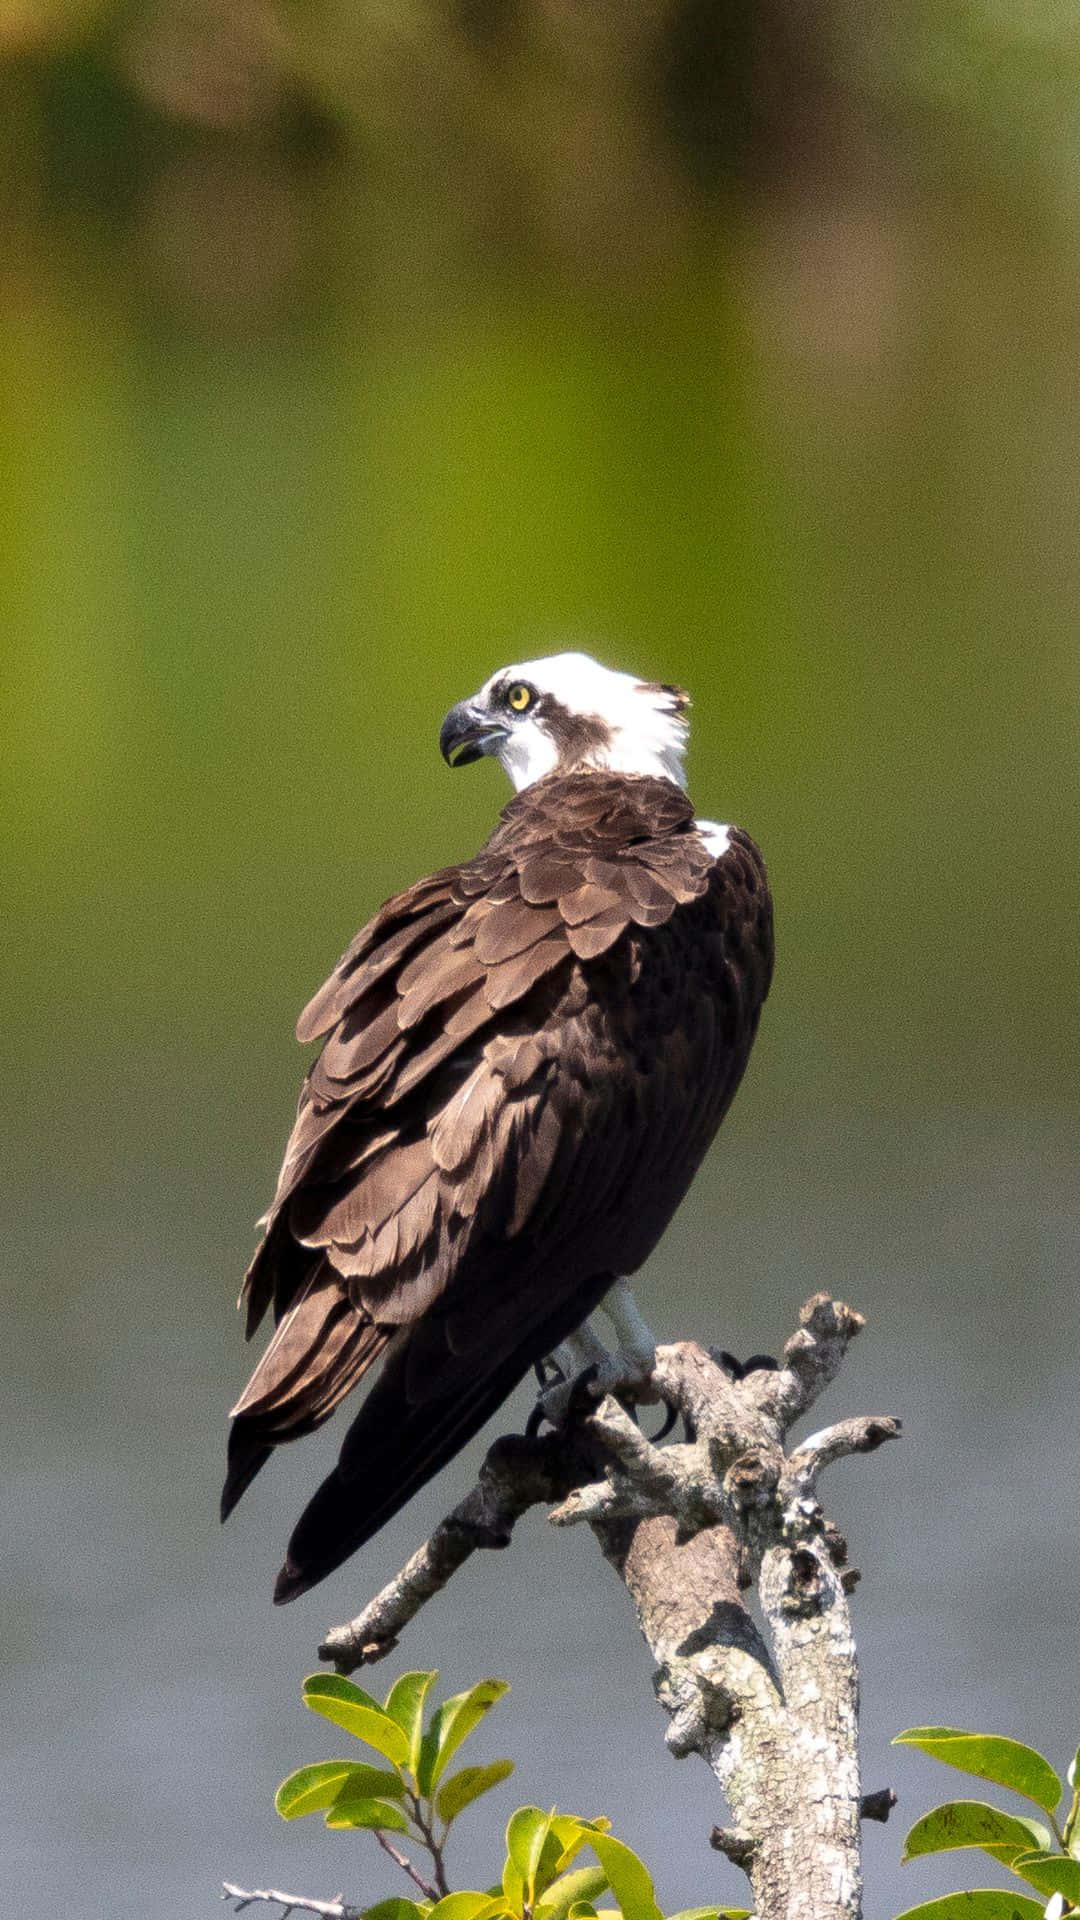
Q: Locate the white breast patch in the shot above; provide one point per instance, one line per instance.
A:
(717, 838)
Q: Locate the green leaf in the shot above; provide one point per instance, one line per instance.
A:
(579, 1888)
(513, 1887)
(989, 1757)
(468, 1906)
(582, 1910)
(538, 1845)
(311, 1788)
(360, 1810)
(573, 1834)
(453, 1723)
(990, 1903)
(1049, 1873)
(526, 1832)
(974, 1823)
(405, 1706)
(712, 1913)
(463, 1788)
(627, 1877)
(555, 1857)
(348, 1706)
(397, 1909)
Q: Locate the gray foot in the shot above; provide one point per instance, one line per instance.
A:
(584, 1361)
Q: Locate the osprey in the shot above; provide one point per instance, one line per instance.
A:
(524, 1060)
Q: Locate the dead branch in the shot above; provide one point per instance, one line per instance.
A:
(288, 1902)
(517, 1474)
(689, 1527)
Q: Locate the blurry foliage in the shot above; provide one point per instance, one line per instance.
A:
(350, 351)
(994, 92)
(416, 1798)
(1046, 1857)
(597, 138)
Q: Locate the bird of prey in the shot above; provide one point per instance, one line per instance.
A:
(524, 1060)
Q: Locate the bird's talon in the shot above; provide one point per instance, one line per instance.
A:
(585, 1391)
(671, 1414)
(737, 1370)
(570, 1400)
(536, 1418)
(549, 1372)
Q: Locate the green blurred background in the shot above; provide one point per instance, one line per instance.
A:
(349, 352)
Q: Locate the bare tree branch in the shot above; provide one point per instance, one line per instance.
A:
(837, 1443)
(689, 1527)
(288, 1902)
(517, 1474)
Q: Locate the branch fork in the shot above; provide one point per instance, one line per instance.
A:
(688, 1527)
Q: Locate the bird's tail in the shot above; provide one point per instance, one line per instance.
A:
(431, 1397)
(389, 1453)
(322, 1347)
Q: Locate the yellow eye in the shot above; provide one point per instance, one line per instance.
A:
(519, 697)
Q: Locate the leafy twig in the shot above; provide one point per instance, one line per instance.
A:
(400, 1859)
(433, 1846)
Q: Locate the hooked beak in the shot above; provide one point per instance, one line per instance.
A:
(467, 733)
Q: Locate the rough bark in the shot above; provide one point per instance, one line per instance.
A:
(689, 1527)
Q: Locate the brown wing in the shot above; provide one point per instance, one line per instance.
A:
(456, 1184)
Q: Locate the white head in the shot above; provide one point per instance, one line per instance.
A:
(566, 713)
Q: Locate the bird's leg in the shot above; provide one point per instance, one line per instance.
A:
(637, 1342)
(625, 1369)
(579, 1350)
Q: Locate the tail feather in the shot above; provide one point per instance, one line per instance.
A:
(247, 1455)
(427, 1403)
(400, 1455)
(322, 1347)
(279, 1270)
